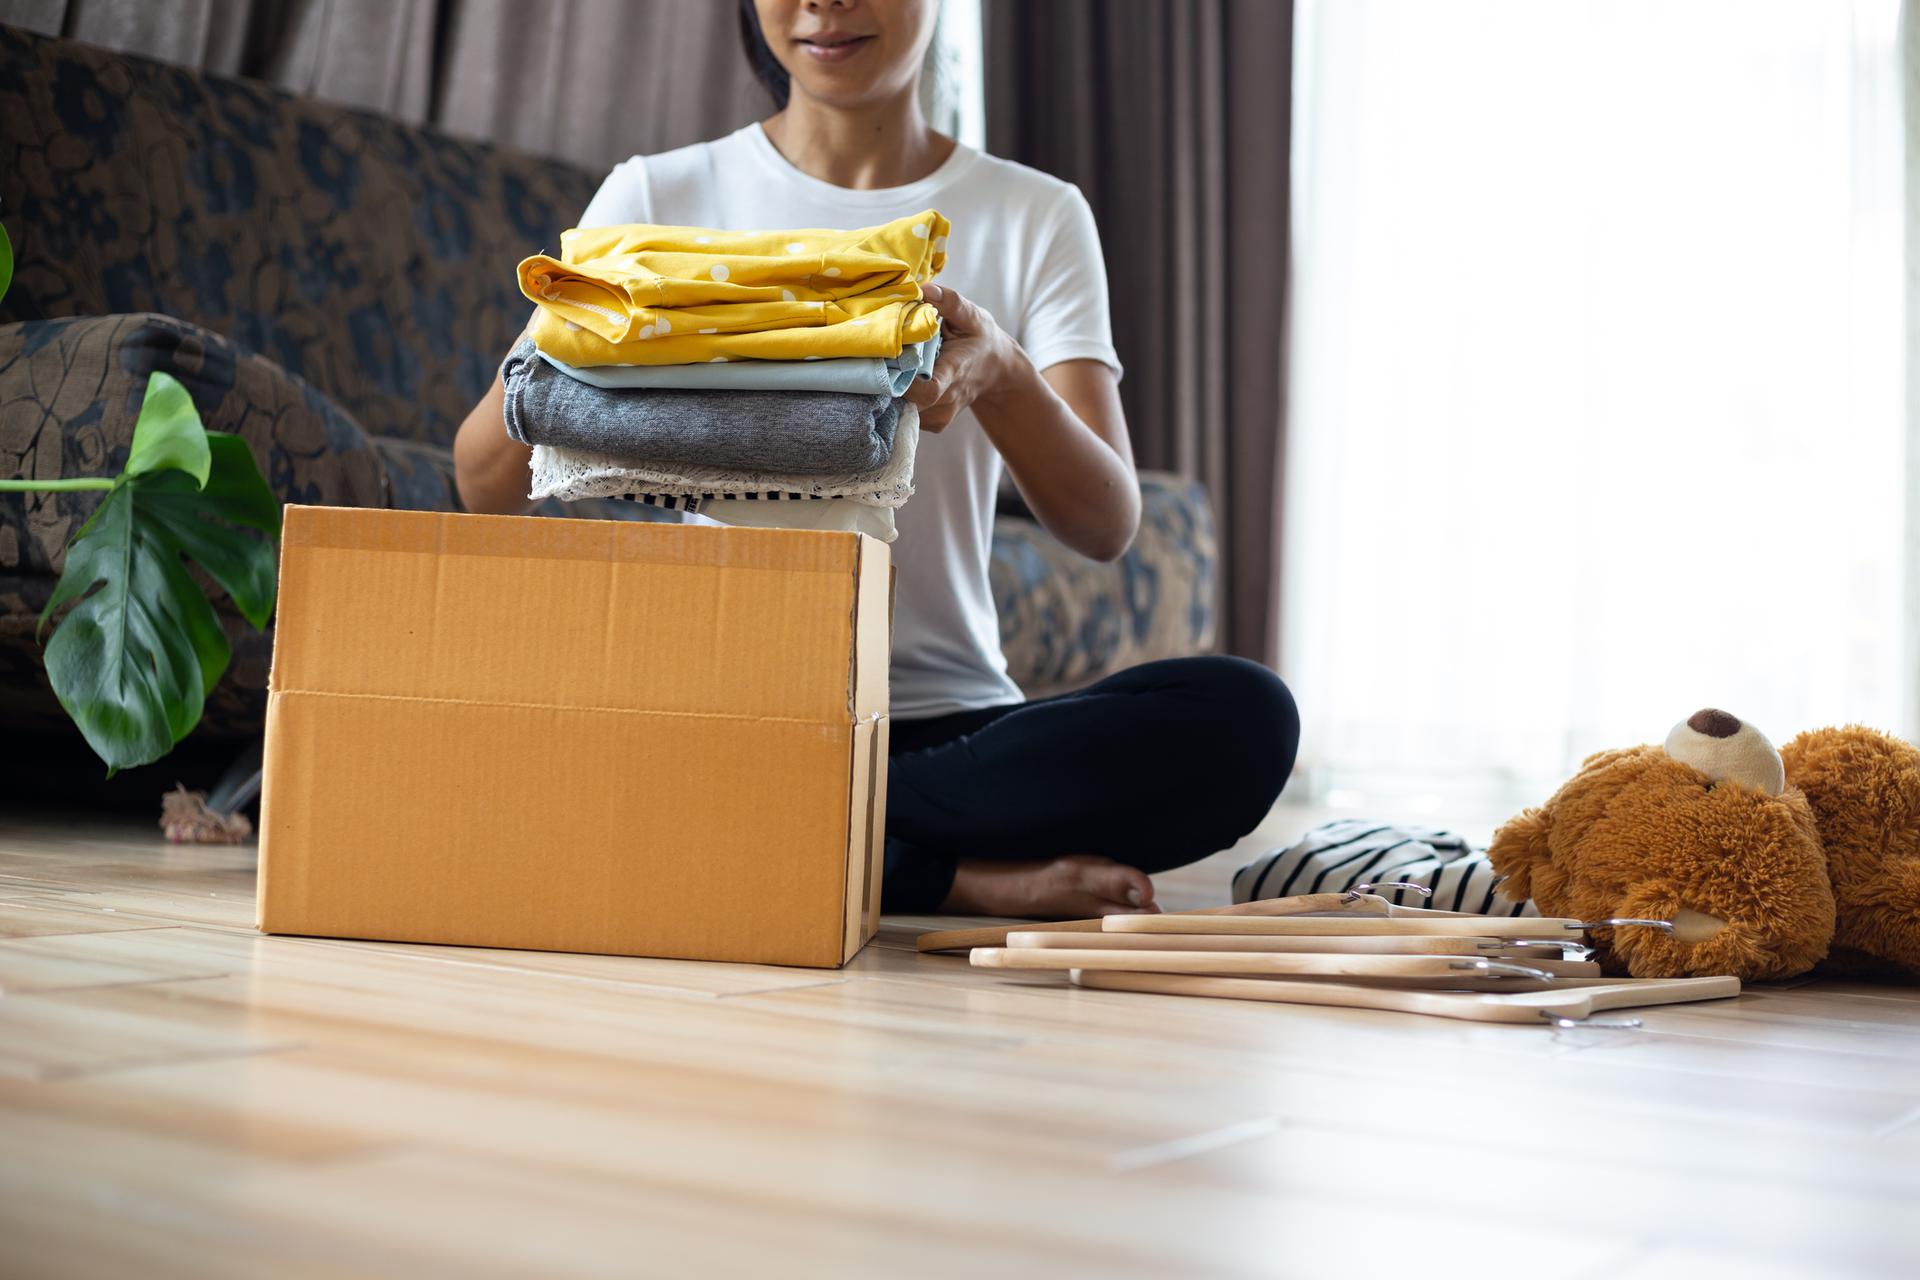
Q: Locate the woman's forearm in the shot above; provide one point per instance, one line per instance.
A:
(490, 466)
(1082, 489)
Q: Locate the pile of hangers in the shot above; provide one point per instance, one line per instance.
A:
(1353, 949)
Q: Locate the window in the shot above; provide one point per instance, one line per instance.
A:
(1596, 411)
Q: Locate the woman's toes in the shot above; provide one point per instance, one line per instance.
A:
(1119, 888)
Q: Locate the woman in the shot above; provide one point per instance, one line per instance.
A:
(995, 806)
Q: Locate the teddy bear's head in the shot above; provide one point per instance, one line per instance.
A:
(1703, 832)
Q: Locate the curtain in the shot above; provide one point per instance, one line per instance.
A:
(596, 80)
(1596, 416)
(1910, 349)
(590, 81)
(1172, 117)
(211, 34)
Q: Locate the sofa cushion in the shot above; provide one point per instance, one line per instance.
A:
(71, 390)
(1066, 621)
(372, 258)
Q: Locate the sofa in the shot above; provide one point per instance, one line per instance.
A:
(335, 288)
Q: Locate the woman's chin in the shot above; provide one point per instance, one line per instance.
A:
(835, 87)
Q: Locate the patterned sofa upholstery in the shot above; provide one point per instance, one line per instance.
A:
(329, 285)
(1066, 621)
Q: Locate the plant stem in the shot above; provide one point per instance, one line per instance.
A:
(54, 486)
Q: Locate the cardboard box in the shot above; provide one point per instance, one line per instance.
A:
(577, 735)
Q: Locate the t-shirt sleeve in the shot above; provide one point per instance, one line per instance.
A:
(1067, 314)
(623, 197)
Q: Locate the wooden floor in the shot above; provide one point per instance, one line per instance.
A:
(181, 1097)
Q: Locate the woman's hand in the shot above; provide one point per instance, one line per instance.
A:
(975, 361)
(1062, 433)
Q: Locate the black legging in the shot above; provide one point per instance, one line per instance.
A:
(1156, 766)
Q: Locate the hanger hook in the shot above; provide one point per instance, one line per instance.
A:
(1664, 926)
(1359, 889)
(1563, 1023)
(1504, 968)
(1579, 950)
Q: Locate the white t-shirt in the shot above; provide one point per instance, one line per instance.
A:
(1023, 247)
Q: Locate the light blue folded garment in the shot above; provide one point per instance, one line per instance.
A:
(869, 376)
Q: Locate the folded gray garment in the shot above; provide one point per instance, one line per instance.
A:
(869, 375)
(804, 433)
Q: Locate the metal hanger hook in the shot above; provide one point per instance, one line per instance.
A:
(1359, 889)
(1579, 950)
(1504, 968)
(1563, 1023)
(1664, 926)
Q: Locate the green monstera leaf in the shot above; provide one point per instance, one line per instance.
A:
(6, 262)
(133, 660)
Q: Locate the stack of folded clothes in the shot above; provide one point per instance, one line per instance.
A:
(751, 377)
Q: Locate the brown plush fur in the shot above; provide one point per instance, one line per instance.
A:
(1864, 787)
(1637, 833)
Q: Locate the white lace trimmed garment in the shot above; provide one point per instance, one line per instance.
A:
(573, 474)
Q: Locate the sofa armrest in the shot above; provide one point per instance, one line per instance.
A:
(1066, 621)
(71, 390)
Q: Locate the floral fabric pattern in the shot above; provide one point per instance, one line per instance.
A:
(1066, 621)
(70, 391)
(371, 258)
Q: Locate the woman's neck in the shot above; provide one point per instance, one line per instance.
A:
(882, 144)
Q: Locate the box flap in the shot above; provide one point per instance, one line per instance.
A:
(873, 629)
(502, 610)
(866, 833)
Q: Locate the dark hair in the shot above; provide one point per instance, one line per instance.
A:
(766, 68)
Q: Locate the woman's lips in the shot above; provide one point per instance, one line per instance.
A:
(835, 48)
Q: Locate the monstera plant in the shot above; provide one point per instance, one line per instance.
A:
(133, 659)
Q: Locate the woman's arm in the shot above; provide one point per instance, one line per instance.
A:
(490, 466)
(1062, 433)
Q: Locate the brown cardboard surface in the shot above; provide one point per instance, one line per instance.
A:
(629, 738)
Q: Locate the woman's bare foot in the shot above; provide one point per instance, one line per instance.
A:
(1073, 887)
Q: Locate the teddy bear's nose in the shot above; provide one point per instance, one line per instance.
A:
(1713, 722)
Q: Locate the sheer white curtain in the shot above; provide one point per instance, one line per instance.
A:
(1597, 381)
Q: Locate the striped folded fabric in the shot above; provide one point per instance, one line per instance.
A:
(1335, 856)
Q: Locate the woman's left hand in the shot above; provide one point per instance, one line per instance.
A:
(976, 357)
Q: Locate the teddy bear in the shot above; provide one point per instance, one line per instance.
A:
(1766, 861)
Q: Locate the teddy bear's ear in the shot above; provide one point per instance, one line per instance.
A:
(1517, 846)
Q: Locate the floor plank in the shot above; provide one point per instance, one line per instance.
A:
(22, 918)
(51, 1035)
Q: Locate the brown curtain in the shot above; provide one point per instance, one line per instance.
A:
(1172, 116)
(581, 80)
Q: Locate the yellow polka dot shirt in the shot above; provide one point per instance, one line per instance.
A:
(644, 294)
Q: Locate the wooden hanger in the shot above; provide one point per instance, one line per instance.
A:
(1350, 902)
(1402, 946)
(1579, 1002)
(1537, 928)
(1272, 964)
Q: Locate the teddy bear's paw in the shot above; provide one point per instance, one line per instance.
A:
(1783, 941)
(1881, 916)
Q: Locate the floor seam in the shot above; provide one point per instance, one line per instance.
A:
(63, 1076)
